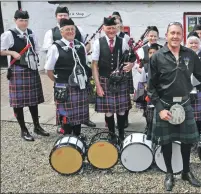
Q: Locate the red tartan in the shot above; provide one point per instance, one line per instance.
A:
(196, 105)
(25, 88)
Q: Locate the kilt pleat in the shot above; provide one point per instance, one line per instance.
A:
(25, 88)
(76, 106)
(113, 102)
(163, 132)
(196, 105)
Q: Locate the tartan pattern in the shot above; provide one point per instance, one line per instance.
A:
(113, 102)
(163, 132)
(25, 88)
(141, 102)
(76, 106)
(130, 82)
(196, 105)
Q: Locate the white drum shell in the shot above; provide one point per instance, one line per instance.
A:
(71, 140)
(177, 162)
(137, 152)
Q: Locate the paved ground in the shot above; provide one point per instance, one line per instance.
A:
(25, 166)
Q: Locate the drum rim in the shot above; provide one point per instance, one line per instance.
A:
(140, 144)
(60, 146)
(156, 148)
(103, 168)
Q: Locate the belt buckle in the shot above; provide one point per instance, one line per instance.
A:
(177, 99)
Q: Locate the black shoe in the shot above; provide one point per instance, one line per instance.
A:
(191, 179)
(26, 136)
(169, 182)
(90, 124)
(40, 131)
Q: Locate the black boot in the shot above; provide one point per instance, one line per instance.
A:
(19, 114)
(191, 179)
(26, 135)
(169, 182)
(90, 124)
(37, 128)
(121, 124)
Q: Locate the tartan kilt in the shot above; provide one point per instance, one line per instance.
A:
(75, 108)
(25, 88)
(141, 102)
(113, 102)
(130, 82)
(149, 118)
(196, 105)
(163, 132)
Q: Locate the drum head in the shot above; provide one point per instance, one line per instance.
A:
(102, 155)
(66, 160)
(136, 157)
(177, 162)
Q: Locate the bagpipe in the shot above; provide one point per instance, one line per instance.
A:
(118, 75)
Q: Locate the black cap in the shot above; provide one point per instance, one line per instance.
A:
(62, 10)
(152, 28)
(21, 15)
(193, 34)
(197, 27)
(109, 21)
(66, 22)
(116, 13)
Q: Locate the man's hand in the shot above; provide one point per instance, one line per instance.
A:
(128, 66)
(16, 55)
(100, 91)
(165, 115)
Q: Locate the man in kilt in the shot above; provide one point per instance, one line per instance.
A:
(194, 43)
(169, 83)
(25, 87)
(107, 51)
(66, 67)
(54, 34)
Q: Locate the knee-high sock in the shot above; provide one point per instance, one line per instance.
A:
(167, 154)
(19, 114)
(67, 128)
(199, 126)
(185, 152)
(110, 123)
(126, 114)
(76, 130)
(121, 123)
(34, 113)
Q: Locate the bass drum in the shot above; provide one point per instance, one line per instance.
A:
(177, 162)
(67, 155)
(137, 154)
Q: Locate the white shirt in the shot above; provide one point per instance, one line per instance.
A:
(143, 77)
(96, 47)
(7, 40)
(48, 39)
(140, 52)
(53, 55)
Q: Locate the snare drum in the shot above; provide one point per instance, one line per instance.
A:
(67, 155)
(103, 152)
(177, 162)
(137, 154)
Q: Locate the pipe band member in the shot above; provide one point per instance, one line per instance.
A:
(25, 87)
(66, 67)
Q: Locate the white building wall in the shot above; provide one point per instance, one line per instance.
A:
(137, 15)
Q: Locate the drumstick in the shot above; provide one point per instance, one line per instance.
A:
(21, 53)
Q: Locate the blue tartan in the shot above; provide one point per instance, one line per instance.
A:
(76, 106)
(113, 102)
(25, 88)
